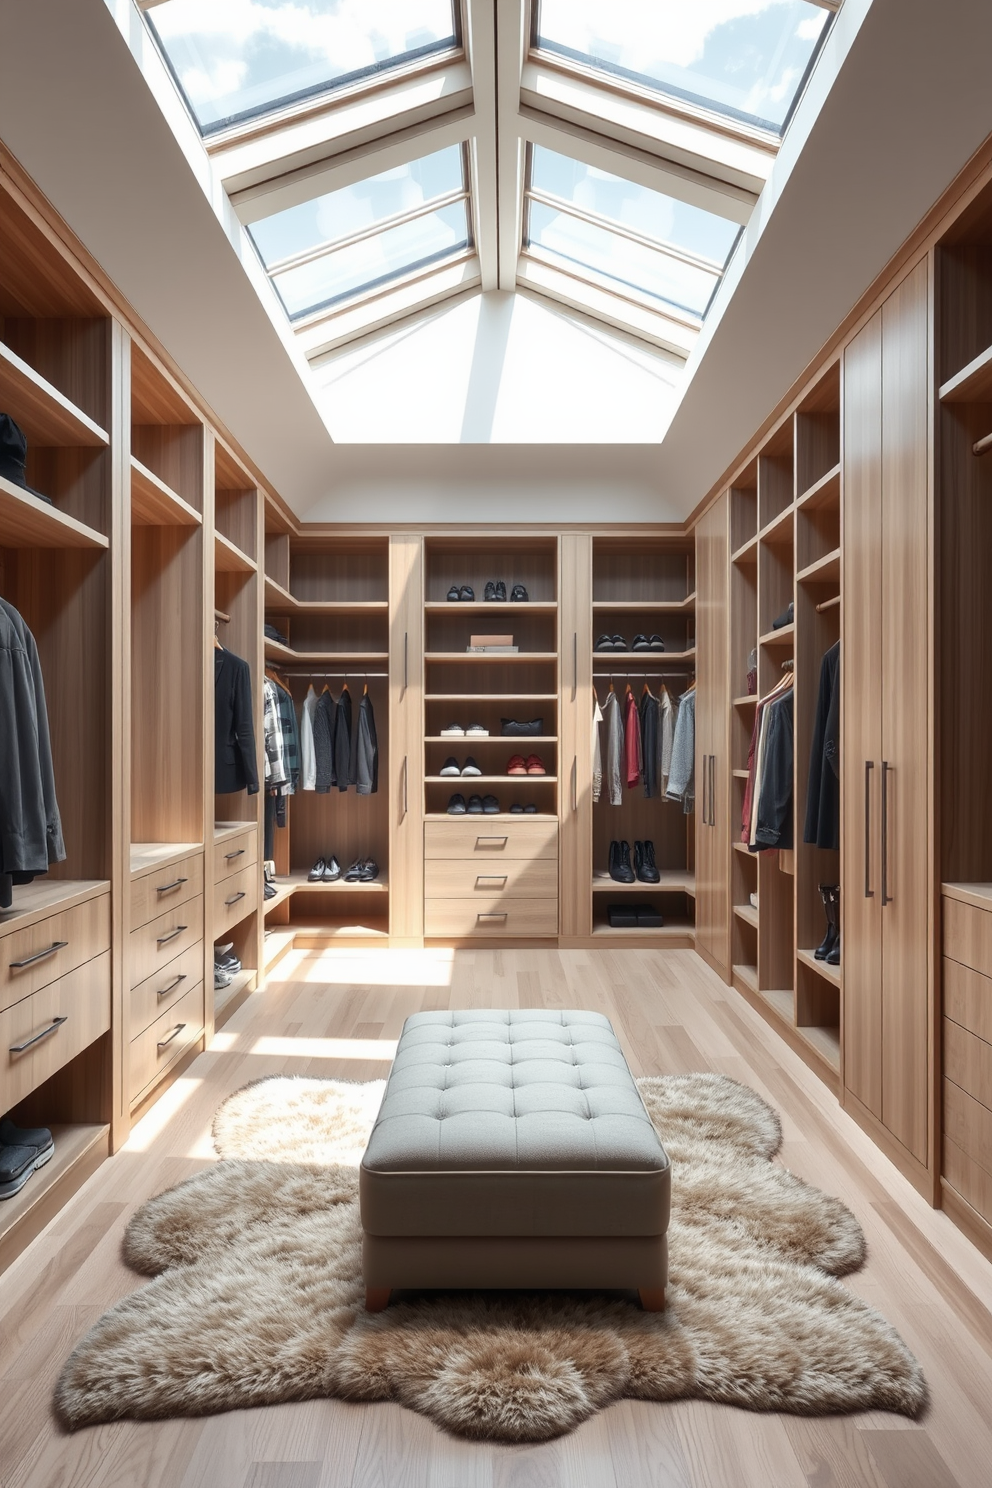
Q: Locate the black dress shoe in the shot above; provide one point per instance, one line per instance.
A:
(786, 618)
(466, 592)
(316, 873)
(450, 766)
(518, 594)
(645, 866)
(516, 809)
(37, 1137)
(370, 871)
(475, 806)
(605, 643)
(530, 809)
(354, 873)
(620, 869)
(332, 870)
(490, 805)
(501, 591)
(456, 806)
(640, 643)
(619, 644)
(454, 593)
(655, 643)
(490, 592)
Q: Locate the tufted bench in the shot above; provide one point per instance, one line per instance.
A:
(512, 1149)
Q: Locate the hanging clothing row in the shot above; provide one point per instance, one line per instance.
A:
(30, 824)
(823, 790)
(640, 738)
(766, 819)
(339, 750)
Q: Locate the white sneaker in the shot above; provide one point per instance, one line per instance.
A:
(450, 767)
(476, 728)
(470, 767)
(454, 728)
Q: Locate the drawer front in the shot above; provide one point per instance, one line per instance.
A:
(235, 853)
(162, 939)
(154, 996)
(456, 879)
(968, 998)
(968, 935)
(34, 957)
(968, 1062)
(154, 893)
(498, 916)
(234, 897)
(968, 1124)
(34, 1043)
(494, 839)
(166, 1040)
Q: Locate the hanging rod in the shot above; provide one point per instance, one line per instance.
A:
(982, 446)
(828, 604)
(608, 676)
(347, 676)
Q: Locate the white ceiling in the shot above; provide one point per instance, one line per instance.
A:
(897, 104)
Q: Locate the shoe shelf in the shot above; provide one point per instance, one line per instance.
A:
(279, 601)
(659, 656)
(505, 740)
(228, 557)
(748, 914)
(499, 657)
(783, 637)
(278, 943)
(672, 881)
(47, 416)
(747, 554)
(76, 1147)
(287, 884)
(493, 816)
(27, 522)
(155, 504)
(312, 934)
(491, 607)
(648, 606)
(275, 651)
(467, 781)
(679, 928)
(224, 996)
(826, 570)
(822, 968)
(747, 977)
(490, 697)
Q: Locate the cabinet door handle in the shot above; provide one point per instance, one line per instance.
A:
(501, 840)
(53, 1027)
(175, 884)
(869, 891)
(234, 898)
(56, 945)
(886, 896)
(406, 659)
(235, 854)
(575, 782)
(712, 790)
(575, 663)
(492, 914)
(406, 784)
(164, 1043)
(164, 939)
(491, 878)
(164, 991)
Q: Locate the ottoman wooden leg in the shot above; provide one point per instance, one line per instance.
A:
(652, 1298)
(377, 1299)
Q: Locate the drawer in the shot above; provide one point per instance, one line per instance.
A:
(968, 1124)
(165, 1041)
(968, 1178)
(42, 953)
(160, 991)
(968, 935)
(234, 897)
(235, 853)
(968, 1062)
(493, 839)
(968, 998)
(162, 939)
(457, 878)
(165, 888)
(34, 1044)
(498, 916)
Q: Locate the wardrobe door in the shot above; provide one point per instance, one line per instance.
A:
(713, 736)
(861, 745)
(575, 727)
(406, 740)
(905, 709)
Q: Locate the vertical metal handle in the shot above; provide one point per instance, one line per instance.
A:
(406, 780)
(712, 790)
(575, 782)
(575, 663)
(886, 896)
(869, 891)
(406, 659)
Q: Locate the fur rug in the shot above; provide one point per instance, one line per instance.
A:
(258, 1294)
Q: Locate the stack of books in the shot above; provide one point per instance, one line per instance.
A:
(492, 645)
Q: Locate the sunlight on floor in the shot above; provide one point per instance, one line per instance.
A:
(157, 1119)
(369, 968)
(324, 1048)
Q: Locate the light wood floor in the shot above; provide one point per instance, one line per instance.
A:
(339, 1015)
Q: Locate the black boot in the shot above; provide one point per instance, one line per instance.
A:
(826, 945)
(644, 864)
(833, 955)
(614, 856)
(621, 870)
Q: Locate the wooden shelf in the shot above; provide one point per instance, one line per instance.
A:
(309, 935)
(274, 651)
(27, 522)
(73, 1146)
(490, 697)
(46, 415)
(747, 976)
(673, 881)
(278, 943)
(506, 740)
(228, 558)
(493, 816)
(225, 995)
(500, 657)
(673, 929)
(973, 384)
(742, 847)
(649, 606)
(659, 657)
(828, 973)
(154, 504)
(825, 570)
(824, 492)
(747, 701)
(825, 1042)
(747, 553)
(747, 913)
(46, 896)
(224, 830)
(297, 882)
(147, 855)
(491, 607)
(281, 602)
(978, 895)
(778, 637)
(779, 529)
(740, 774)
(468, 781)
(782, 1002)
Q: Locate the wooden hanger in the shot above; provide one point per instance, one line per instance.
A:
(217, 644)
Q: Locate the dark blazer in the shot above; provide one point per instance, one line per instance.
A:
(235, 758)
(30, 825)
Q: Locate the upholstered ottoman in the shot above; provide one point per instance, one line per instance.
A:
(512, 1150)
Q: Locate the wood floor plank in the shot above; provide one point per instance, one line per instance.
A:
(908, 1459)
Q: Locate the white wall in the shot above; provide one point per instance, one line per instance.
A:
(501, 369)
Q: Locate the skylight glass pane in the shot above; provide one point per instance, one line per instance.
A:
(745, 58)
(234, 59)
(637, 208)
(321, 282)
(575, 243)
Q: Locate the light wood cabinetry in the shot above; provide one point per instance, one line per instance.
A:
(575, 749)
(406, 732)
(713, 736)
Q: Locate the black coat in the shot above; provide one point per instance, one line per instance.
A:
(823, 792)
(235, 758)
(30, 826)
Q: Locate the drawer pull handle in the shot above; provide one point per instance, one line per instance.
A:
(238, 851)
(164, 1043)
(234, 898)
(53, 1027)
(488, 878)
(480, 840)
(492, 914)
(164, 939)
(175, 884)
(164, 991)
(56, 945)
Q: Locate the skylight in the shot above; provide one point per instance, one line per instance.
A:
(237, 59)
(747, 59)
(622, 236)
(355, 239)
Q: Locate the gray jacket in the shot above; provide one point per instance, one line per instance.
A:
(613, 719)
(30, 825)
(681, 782)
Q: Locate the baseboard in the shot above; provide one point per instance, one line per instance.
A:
(723, 972)
(918, 1174)
(967, 1219)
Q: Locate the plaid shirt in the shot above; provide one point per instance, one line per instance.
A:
(290, 739)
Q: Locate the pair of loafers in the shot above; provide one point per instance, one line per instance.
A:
(23, 1150)
(463, 593)
(639, 643)
(325, 870)
(532, 765)
(455, 730)
(474, 806)
(529, 810)
(452, 767)
(362, 870)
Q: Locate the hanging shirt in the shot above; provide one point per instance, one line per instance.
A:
(614, 747)
(276, 774)
(290, 739)
(366, 750)
(681, 779)
(650, 716)
(823, 791)
(308, 754)
(631, 739)
(323, 742)
(666, 734)
(773, 827)
(30, 824)
(342, 740)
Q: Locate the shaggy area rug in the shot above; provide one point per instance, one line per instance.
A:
(258, 1294)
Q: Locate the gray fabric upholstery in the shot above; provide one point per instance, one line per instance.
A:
(513, 1123)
